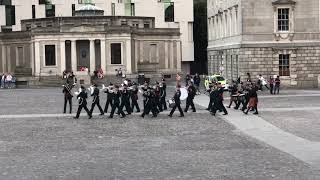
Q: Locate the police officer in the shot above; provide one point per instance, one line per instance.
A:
(116, 103)
(191, 94)
(96, 100)
(177, 101)
(82, 96)
(67, 96)
(109, 93)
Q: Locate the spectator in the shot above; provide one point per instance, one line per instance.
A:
(271, 81)
(263, 82)
(188, 79)
(64, 74)
(2, 80)
(277, 85)
(178, 79)
(9, 80)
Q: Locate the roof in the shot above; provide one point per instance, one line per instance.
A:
(89, 7)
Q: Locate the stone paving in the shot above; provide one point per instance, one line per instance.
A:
(198, 146)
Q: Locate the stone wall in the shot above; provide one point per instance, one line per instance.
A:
(304, 64)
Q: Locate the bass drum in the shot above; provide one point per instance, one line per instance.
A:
(184, 94)
(171, 103)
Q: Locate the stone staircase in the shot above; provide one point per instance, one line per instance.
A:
(51, 81)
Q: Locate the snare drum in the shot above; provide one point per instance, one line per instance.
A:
(171, 103)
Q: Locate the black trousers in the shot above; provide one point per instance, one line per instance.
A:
(214, 107)
(271, 89)
(109, 102)
(125, 103)
(210, 104)
(114, 107)
(84, 106)
(97, 102)
(150, 107)
(163, 103)
(66, 99)
(221, 107)
(241, 100)
(158, 104)
(174, 109)
(189, 103)
(135, 104)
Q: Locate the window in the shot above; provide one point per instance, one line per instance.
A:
(45, 1)
(50, 55)
(5, 2)
(124, 23)
(283, 19)
(116, 53)
(33, 11)
(81, 1)
(153, 53)
(50, 10)
(190, 31)
(132, 9)
(10, 12)
(73, 7)
(284, 67)
(119, 1)
(146, 25)
(113, 9)
(135, 24)
(169, 12)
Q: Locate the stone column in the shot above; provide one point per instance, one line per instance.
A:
(9, 59)
(230, 22)
(62, 56)
(128, 57)
(32, 58)
(179, 56)
(92, 57)
(236, 18)
(171, 49)
(166, 55)
(4, 69)
(103, 55)
(74, 63)
(37, 61)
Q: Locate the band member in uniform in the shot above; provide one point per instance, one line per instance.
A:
(96, 100)
(67, 96)
(157, 97)
(125, 99)
(214, 99)
(253, 102)
(163, 94)
(109, 97)
(83, 103)
(210, 91)
(233, 94)
(191, 94)
(150, 103)
(134, 98)
(116, 103)
(221, 90)
(177, 101)
(145, 89)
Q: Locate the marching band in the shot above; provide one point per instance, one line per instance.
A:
(125, 98)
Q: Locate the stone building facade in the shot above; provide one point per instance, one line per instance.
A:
(268, 37)
(49, 46)
(176, 14)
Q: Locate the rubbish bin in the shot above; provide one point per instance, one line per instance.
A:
(141, 78)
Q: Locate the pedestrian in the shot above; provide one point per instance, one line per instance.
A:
(188, 79)
(214, 100)
(233, 94)
(82, 96)
(96, 100)
(9, 80)
(178, 80)
(263, 82)
(177, 101)
(277, 85)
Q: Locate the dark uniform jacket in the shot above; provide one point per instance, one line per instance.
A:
(176, 97)
(83, 98)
